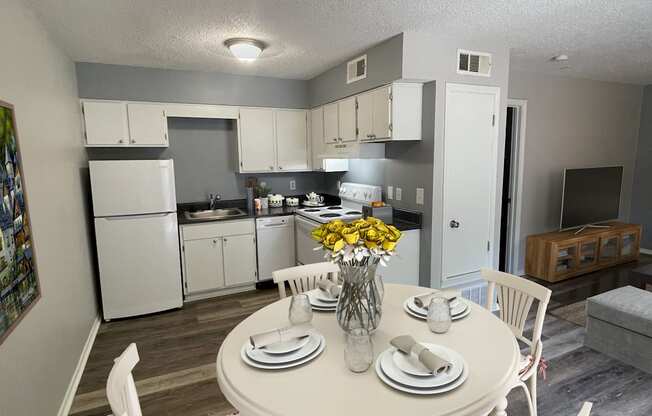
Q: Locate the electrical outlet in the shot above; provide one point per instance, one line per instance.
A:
(293, 185)
(390, 192)
(420, 196)
(399, 194)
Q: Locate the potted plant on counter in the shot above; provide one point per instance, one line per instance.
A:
(358, 247)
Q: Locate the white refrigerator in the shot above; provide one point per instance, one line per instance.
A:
(134, 204)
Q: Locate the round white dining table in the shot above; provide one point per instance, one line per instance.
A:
(325, 387)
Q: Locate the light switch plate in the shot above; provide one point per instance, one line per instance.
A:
(420, 196)
(399, 194)
(390, 192)
(293, 185)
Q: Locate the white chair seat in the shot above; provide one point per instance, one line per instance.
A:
(304, 278)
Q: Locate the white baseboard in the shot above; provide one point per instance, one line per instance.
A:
(646, 251)
(66, 404)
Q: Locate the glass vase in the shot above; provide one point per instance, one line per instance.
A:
(361, 299)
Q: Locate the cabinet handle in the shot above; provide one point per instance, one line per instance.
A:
(224, 241)
(214, 241)
(121, 141)
(280, 167)
(271, 168)
(133, 141)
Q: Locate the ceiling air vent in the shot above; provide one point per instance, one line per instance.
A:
(356, 69)
(473, 63)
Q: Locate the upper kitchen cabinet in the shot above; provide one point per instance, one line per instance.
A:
(257, 136)
(148, 126)
(391, 113)
(347, 127)
(105, 123)
(292, 140)
(322, 153)
(273, 140)
(331, 123)
(121, 124)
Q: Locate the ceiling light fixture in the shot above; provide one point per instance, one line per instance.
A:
(560, 58)
(245, 49)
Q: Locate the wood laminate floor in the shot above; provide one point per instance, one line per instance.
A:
(176, 373)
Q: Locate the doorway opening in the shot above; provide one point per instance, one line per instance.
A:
(510, 215)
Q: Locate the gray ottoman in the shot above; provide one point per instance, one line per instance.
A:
(619, 324)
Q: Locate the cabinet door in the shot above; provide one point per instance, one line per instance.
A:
(317, 137)
(331, 128)
(257, 138)
(629, 244)
(203, 265)
(381, 113)
(564, 259)
(239, 259)
(148, 125)
(347, 120)
(365, 116)
(588, 253)
(105, 123)
(292, 139)
(609, 248)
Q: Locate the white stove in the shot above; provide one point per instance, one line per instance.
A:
(353, 196)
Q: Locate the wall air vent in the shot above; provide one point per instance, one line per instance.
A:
(473, 63)
(356, 69)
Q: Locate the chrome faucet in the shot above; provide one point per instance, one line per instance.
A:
(212, 200)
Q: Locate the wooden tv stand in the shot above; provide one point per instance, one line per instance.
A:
(561, 255)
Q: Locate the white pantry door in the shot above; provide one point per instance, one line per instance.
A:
(470, 138)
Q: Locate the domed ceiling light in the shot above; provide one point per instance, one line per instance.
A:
(245, 49)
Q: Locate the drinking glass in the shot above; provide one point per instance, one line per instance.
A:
(439, 315)
(300, 309)
(359, 351)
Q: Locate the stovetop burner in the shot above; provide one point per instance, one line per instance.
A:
(334, 207)
(311, 210)
(330, 215)
(353, 213)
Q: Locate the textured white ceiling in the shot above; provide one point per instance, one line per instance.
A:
(606, 40)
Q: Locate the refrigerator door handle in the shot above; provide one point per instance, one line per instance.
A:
(131, 217)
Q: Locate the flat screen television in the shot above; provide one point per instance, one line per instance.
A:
(590, 196)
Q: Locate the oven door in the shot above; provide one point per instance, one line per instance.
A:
(305, 243)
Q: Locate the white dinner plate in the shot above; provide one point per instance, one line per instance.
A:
(420, 391)
(284, 347)
(457, 307)
(316, 302)
(261, 356)
(410, 312)
(296, 363)
(410, 365)
(391, 370)
(324, 296)
(320, 309)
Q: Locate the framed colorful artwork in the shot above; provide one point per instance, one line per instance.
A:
(19, 284)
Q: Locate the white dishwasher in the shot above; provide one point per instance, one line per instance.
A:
(275, 244)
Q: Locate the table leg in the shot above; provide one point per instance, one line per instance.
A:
(501, 407)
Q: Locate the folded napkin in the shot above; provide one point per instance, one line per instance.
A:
(407, 345)
(281, 334)
(423, 301)
(328, 286)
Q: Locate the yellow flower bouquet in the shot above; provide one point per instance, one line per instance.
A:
(362, 240)
(358, 247)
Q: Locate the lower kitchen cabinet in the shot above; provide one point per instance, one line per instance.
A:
(203, 260)
(218, 258)
(239, 259)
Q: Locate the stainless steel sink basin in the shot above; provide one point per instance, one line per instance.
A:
(215, 214)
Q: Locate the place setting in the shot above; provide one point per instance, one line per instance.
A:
(438, 305)
(287, 347)
(421, 368)
(324, 298)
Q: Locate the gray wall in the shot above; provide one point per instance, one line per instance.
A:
(384, 63)
(38, 358)
(642, 187)
(572, 123)
(204, 153)
(118, 82)
(434, 57)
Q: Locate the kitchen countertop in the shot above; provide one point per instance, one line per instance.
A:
(404, 220)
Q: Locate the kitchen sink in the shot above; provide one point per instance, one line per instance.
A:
(215, 214)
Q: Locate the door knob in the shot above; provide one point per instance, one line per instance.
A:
(454, 224)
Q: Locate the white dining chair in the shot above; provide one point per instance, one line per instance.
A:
(515, 296)
(586, 409)
(120, 387)
(304, 278)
